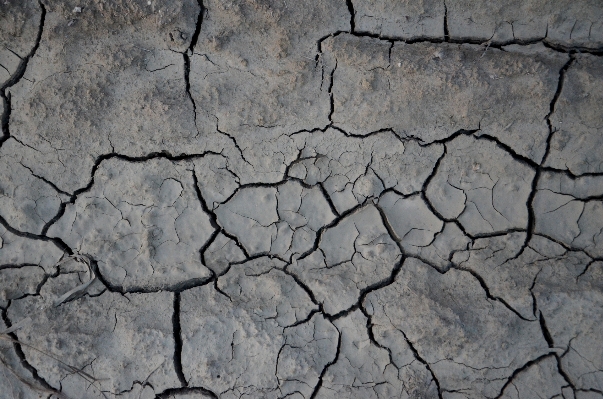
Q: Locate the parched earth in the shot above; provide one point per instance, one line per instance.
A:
(301, 199)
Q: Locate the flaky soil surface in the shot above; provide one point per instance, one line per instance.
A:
(301, 199)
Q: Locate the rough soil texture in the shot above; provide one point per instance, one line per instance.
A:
(301, 199)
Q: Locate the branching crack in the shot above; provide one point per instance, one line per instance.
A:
(521, 369)
(534, 189)
(326, 368)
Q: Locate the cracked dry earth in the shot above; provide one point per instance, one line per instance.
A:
(301, 199)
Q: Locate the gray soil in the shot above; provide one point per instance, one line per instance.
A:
(301, 199)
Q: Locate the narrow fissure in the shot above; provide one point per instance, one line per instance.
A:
(482, 42)
(484, 286)
(326, 368)
(187, 60)
(521, 369)
(446, 31)
(56, 241)
(534, 189)
(170, 393)
(331, 96)
(178, 341)
(350, 6)
(195, 37)
(19, 73)
(545, 332)
(552, 105)
(424, 362)
(21, 354)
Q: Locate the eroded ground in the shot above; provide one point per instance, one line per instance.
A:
(301, 199)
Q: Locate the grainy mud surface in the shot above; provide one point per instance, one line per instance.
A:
(301, 199)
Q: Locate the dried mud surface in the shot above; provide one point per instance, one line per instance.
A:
(311, 199)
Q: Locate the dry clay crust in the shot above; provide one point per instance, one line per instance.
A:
(326, 199)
